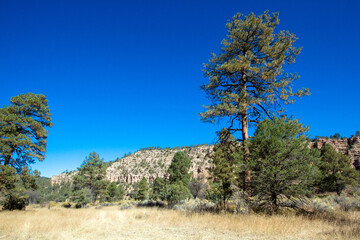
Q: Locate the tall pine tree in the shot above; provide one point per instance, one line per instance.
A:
(247, 81)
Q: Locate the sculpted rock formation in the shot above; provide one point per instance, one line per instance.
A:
(347, 146)
(152, 163)
(63, 177)
(155, 163)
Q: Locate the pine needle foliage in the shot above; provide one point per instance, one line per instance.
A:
(92, 176)
(282, 164)
(226, 161)
(247, 81)
(336, 170)
(23, 130)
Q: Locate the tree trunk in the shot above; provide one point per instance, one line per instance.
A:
(8, 157)
(245, 136)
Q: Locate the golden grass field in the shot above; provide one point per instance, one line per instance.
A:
(154, 223)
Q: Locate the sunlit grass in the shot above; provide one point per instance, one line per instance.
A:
(154, 223)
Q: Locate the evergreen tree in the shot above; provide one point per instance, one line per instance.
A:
(179, 168)
(143, 189)
(23, 130)
(115, 192)
(226, 160)
(111, 190)
(119, 193)
(283, 165)
(81, 197)
(336, 170)
(23, 137)
(247, 81)
(91, 175)
(335, 136)
(177, 191)
(158, 190)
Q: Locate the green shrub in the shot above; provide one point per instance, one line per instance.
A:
(13, 202)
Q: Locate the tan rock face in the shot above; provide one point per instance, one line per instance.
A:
(150, 164)
(63, 178)
(347, 146)
(154, 163)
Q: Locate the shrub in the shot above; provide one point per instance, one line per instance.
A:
(13, 202)
(195, 205)
(66, 205)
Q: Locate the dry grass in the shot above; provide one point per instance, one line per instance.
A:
(153, 223)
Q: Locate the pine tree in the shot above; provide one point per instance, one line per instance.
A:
(226, 160)
(283, 166)
(158, 190)
(23, 130)
(91, 175)
(23, 134)
(247, 81)
(115, 192)
(179, 169)
(336, 170)
(143, 189)
(177, 191)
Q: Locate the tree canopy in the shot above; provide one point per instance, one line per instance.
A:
(179, 168)
(226, 159)
(23, 134)
(23, 130)
(247, 80)
(282, 164)
(336, 170)
(92, 175)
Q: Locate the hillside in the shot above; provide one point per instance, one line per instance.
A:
(152, 163)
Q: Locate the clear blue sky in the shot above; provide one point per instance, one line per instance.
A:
(123, 75)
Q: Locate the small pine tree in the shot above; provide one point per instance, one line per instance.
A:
(283, 166)
(336, 136)
(81, 197)
(143, 189)
(158, 190)
(177, 191)
(119, 193)
(225, 158)
(336, 170)
(91, 175)
(179, 168)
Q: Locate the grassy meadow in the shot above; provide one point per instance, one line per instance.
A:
(154, 223)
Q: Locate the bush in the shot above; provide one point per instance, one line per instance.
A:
(13, 202)
(127, 204)
(347, 203)
(177, 192)
(66, 205)
(195, 205)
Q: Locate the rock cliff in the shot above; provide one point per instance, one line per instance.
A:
(63, 177)
(347, 146)
(152, 163)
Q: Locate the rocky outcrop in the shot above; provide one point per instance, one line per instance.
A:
(63, 177)
(152, 163)
(347, 146)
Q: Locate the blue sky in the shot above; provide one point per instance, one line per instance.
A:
(123, 75)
